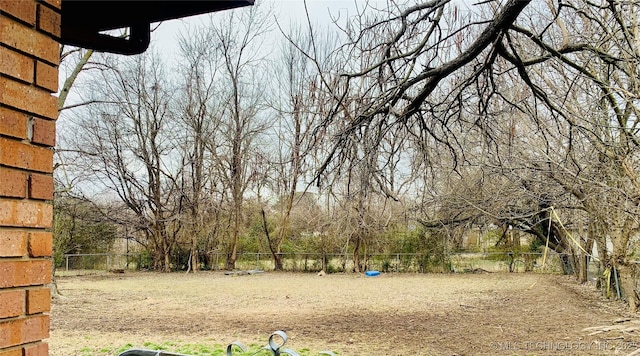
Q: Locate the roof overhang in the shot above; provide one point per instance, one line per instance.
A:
(84, 20)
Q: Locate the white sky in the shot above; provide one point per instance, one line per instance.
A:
(286, 11)
(165, 38)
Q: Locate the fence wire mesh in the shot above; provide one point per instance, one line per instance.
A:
(335, 263)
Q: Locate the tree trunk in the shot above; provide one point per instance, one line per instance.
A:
(625, 270)
(628, 285)
(193, 260)
(167, 261)
(277, 257)
(55, 293)
(233, 255)
(356, 254)
(278, 263)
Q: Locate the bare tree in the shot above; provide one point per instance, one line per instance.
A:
(129, 151)
(581, 64)
(443, 69)
(238, 35)
(201, 110)
(299, 106)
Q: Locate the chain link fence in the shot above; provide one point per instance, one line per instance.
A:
(116, 262)
(405, 262)
(335, 263)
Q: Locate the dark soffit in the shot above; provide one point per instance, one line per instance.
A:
(83, 20)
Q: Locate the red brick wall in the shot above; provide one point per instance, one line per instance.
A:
(29, 58)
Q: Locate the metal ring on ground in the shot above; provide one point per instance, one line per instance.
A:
(237, 344)
(272, 343)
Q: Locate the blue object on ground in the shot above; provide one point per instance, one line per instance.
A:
(372, 273)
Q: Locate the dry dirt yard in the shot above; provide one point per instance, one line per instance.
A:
(392, 314)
